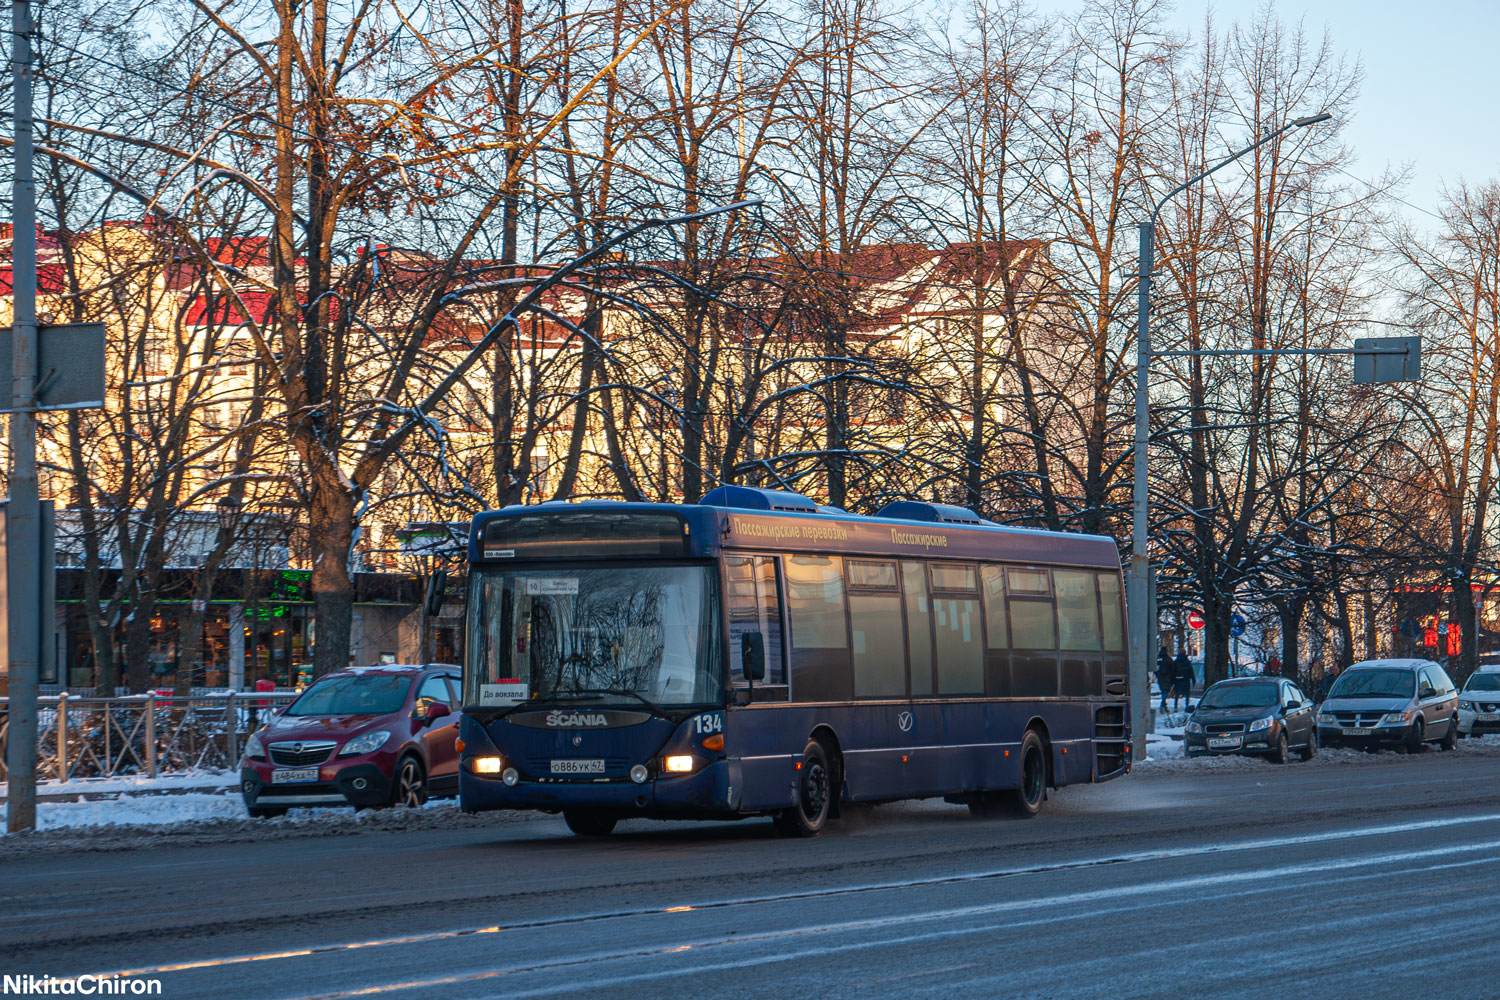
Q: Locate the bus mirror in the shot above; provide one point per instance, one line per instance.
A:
(753, 655)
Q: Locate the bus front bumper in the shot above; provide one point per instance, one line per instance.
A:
(712, 791)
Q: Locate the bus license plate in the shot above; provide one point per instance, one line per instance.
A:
(1358, 732)
(578, 767)
(289, 776)
(1224, 741)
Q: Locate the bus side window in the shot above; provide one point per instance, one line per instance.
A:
(1077, 610)
(754, 605)
(918, 626)
(957, 627)
(875, 627)
(1033, 632)
(1109, 604)
(821, 669)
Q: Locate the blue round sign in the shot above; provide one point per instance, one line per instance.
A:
(1236, 625)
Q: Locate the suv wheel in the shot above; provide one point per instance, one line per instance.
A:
(409, 788)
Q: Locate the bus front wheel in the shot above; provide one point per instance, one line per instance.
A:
(814, 795)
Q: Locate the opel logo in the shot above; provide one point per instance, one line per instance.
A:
(296, 748)
(904, 721)
(578, 741)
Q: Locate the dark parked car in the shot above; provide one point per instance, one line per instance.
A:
(1265, 716)
(368, 736)
(1390, 703)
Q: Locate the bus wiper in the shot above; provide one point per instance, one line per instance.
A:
(619, 692)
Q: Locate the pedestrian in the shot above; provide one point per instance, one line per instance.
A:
(1182, 685)
(1273, 668)
(1165, 675)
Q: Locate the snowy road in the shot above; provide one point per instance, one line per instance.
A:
(1164, 884)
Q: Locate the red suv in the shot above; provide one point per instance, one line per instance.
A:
(367, 736)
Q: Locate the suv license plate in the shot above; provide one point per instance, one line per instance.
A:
(1487, 716)
(578, 767)
(288, 776)
(1358, 732)
(1224, 741)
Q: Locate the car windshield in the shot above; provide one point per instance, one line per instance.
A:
(353, 694)
(1239, 696)
(1375, 682)
(1489, 681)
(625, 634)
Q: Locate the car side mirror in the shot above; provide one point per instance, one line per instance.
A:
(1426, 692)
(753, 655)
(435, 710)
(1292, 706)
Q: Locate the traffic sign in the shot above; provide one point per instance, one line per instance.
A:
(1195, 619)
(1236, 625)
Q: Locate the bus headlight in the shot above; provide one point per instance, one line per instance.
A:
(510, 777)
(679, 763)
(487, 765)
(639, 774)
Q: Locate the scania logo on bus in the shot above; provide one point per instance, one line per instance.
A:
(567, 718)
(576, 720)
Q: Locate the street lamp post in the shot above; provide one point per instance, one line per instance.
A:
(1138, 595)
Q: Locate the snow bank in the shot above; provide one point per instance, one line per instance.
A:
(1164, 755)
(189, 807)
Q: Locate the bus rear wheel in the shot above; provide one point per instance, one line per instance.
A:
(1026, 801)
(814, 795)
(587, 823)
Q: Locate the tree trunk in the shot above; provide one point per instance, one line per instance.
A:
(331, 537)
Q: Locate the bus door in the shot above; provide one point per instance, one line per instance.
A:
(881, 728)
(753, 604)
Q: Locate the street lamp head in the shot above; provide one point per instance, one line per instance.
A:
(1313, 120)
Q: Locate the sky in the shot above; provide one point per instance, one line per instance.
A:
(1432, 76)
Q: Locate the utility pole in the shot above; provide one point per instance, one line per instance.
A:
(1137, 596)
(23, 529)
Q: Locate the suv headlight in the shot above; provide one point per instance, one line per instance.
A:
(1468, 705)
(1395, 718)
(1194, 727)
(1262, 723)
(365, 743)
(254, 748)
(1327, 719)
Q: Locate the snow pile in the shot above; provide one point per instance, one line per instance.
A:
(139, 810)
(190, 807)
(204, 780)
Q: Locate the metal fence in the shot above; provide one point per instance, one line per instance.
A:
(147, 734)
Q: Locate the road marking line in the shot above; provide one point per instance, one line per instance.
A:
(982, 910)
(1135, 857)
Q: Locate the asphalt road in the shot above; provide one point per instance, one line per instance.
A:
(1323, 880)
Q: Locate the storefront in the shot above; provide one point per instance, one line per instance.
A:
(257, 626)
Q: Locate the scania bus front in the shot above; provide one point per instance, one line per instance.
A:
(595, 689)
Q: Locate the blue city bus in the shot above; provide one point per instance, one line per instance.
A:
(758, 655)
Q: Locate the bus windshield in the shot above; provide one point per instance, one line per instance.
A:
(621, 635)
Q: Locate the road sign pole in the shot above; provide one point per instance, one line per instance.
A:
(23, 530)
